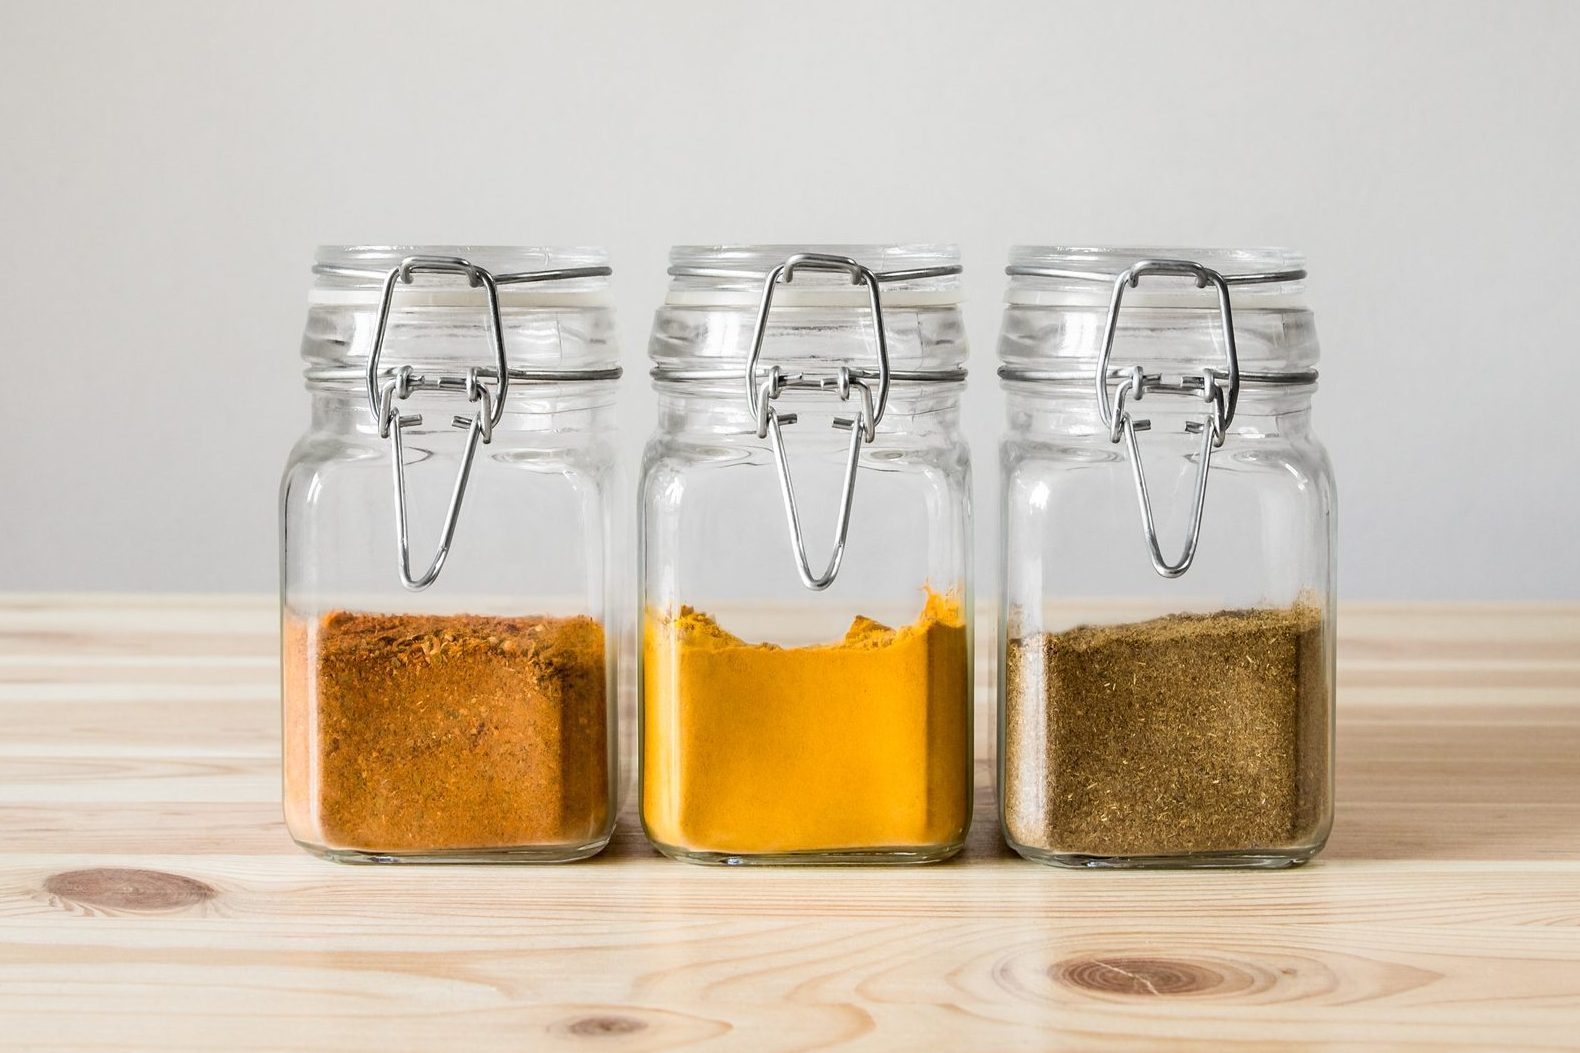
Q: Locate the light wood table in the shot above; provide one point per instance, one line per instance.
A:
(149, 896)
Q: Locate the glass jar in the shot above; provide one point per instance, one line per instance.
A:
(447, 588)
(805, 559)
(1167, 632)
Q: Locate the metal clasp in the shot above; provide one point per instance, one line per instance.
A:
(1219, 388)
(761, 393)
(384, 403)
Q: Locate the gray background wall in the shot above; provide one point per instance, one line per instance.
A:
(168, 168)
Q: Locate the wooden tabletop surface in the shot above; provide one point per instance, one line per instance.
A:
(150, 898)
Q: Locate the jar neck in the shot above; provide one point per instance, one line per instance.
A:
(1070, 409)
(530, 410)
(808, 338)
(719, 408)
(1172, 340)
(458, 337)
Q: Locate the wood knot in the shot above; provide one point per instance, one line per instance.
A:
(604, 1026)
(118, 888)
(1144, 977)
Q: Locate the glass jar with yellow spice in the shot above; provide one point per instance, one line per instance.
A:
(448, 596)
(805, 552)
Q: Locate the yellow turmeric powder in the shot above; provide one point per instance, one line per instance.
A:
(842, 749)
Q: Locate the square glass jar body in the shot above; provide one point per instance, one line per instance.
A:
(1150, 720)
(473, 719)
(781, 723)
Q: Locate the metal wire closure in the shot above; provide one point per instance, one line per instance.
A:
(1219, 388)
(488, 388)
(761, 391)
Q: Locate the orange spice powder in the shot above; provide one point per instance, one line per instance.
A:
(860, 745)
(413, 733)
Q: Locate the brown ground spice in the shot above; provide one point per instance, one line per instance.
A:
(423, 733)
(1185, 734)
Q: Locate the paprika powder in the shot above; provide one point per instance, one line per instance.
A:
(446, 735)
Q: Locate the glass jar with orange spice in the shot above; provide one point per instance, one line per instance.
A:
(447, 596)
(806, 608)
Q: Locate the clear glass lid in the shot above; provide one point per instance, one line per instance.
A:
(1167, 308)
(451, 307)
(814, 304)
(554, 269)
(1253, 272)
(695, 269)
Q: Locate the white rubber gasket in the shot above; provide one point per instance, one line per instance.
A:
(459, 297)
(1102, 295)
(822, 296)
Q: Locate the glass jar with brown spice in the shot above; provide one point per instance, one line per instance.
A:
(1167, 626)
(447, 596)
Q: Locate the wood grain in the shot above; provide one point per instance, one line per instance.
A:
(149, 897)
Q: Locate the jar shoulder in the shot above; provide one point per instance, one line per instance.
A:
(1296, 461)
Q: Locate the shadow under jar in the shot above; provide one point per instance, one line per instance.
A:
(447, 595)
(806, 639)
(1167, 626)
